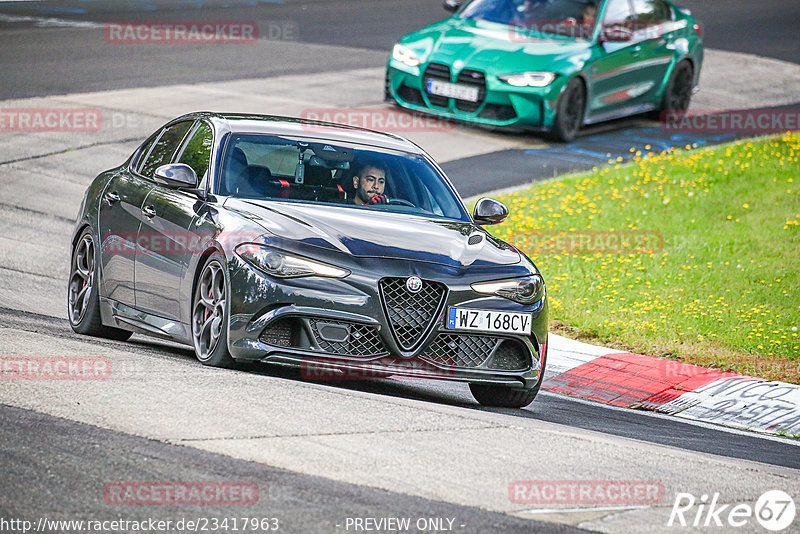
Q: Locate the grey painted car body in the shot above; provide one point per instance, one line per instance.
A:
(148, 291)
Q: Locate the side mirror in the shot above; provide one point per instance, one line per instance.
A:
(489, 211)
(176, 175)
(452, 5)
(615, 34)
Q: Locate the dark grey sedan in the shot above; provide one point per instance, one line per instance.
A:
(343, 251)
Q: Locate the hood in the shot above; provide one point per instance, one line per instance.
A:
(496, 48)
(376, 233)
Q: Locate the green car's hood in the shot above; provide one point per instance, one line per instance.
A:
(496, 48)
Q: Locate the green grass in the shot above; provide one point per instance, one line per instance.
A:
(709, 266)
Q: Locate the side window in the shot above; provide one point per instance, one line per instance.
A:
(618, 13)
(197, 151)
(165, 147)
(142, 153)
(654, 12)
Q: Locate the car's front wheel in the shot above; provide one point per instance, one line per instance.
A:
(83, 295)
(504, 396)
(569, 114)
(210, 314)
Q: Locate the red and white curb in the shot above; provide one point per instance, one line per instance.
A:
(679, 389)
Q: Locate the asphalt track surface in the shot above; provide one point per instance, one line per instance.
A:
(56, 58)
(57, 467)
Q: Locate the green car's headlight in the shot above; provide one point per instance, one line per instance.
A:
(525, 290)
(405, 55)
(529, 79)
(282, 265)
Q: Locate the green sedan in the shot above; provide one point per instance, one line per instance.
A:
(549, 65)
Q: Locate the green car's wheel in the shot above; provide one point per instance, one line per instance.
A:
(569, 115)
(678, 93)
(83, 299)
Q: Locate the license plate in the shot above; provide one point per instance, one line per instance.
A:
(489, 321)
(453, 90)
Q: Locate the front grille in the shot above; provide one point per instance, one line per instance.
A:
(437, 71)
(476, 79)
(360, 339)
(411, 314)
(468, 351)
(498, 112)
(410, 95)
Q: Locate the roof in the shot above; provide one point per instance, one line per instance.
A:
(298, 127)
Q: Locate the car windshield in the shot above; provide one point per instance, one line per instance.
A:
(281, 168)
(540, 18)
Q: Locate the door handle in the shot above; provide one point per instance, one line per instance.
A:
(112, 197)
(149, 211)
(637, 50)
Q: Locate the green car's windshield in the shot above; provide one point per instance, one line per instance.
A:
(273, 167)
(565, 18)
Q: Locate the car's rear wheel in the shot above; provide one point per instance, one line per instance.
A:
(569, 114)
(210, 314)
(678, 93)
(83, 296)
(504, 396)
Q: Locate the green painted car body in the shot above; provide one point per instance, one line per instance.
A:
(624, 66)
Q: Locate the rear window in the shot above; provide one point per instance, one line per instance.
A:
(273, 167)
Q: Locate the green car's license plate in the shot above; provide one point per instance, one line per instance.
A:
(453, 90)
(489, 321)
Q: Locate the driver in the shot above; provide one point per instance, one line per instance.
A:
(369, 181)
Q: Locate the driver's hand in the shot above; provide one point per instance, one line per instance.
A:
(379, 199)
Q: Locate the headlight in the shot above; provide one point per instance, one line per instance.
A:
(405, 55)
(529, 79)
(282, 265)
(525, 290)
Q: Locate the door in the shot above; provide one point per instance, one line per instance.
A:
(120, 216)
(614, 77)
(655, 32)
(167, 237)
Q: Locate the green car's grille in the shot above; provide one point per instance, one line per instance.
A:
(474, 78)
(437, 71)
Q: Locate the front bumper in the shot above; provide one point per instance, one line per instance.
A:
(282, 322)
(500, 104)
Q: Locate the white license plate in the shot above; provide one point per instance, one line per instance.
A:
(489, 321)
(453, 90)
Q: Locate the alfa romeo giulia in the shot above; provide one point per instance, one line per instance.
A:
(255, 238)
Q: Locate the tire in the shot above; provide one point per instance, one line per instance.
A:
(210, 314)
(504, 396)
(678, 93)
(83, 293)
(569, 114)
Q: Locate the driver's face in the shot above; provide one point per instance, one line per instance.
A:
(371, 182)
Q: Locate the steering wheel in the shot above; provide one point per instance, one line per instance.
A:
(401, 202)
